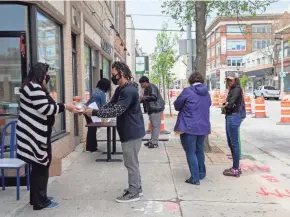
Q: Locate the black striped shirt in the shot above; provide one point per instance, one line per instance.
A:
(32, 125)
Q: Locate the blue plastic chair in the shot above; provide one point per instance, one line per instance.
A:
(12, 162)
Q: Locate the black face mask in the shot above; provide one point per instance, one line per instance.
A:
(47, 79)
(115, 80)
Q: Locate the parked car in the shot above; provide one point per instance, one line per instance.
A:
(267, 92)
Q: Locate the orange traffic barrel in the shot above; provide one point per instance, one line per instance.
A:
(162, 126)
(248, 104)
(222, 100)
(260, 108)
(285, 112)
(215, 99)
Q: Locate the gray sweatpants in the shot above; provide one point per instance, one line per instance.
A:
(130, 154)
(155, 120)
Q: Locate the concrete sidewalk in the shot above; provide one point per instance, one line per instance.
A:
(88, 188)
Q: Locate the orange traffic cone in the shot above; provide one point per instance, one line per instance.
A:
(162, 127)
(260, 108)
(248, 104)
(285, 112)
(215, 99)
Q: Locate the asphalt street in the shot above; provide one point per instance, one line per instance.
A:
(262, 133)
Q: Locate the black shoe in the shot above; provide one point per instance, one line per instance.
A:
(147, 144)
(151, 145)
(128, 197)
(140, 191)
(48, 199)
(191, 182)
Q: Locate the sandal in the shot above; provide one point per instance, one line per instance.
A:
(232, 172)
(240, 170)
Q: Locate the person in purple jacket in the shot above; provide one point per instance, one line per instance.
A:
(193, 124)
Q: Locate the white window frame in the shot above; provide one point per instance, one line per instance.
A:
(261, 28)
(236, 41)
(264, 43)
(218, 49)
(236, 58)
(217, 34)
(240, 29)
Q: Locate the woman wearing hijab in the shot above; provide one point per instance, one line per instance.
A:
(33, 132)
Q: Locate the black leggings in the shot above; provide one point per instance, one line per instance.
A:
(39, 180)
(91, 144)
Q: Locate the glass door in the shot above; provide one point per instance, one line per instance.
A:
(13, 68)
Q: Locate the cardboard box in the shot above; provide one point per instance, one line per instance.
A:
(12, 172)
(55, 167)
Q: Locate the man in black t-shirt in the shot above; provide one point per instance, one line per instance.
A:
(130, 125)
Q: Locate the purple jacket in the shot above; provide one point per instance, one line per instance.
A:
(193, 105)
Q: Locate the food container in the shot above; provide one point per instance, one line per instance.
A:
(77, 99)
(81, 106)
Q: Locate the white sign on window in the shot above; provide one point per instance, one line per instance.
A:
(16, 90)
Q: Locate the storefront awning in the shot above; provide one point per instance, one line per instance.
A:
(260, 72)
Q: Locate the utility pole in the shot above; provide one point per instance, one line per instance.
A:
(189, 49)
(282, 67)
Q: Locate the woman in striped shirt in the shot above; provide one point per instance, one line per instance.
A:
(33, 131)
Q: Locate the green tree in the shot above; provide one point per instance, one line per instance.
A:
(163, 57)
(244, 81)
(170, 78)
(198, 11)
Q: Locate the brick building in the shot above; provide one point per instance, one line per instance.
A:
(283, 34)
(75, 38)
(229, 39)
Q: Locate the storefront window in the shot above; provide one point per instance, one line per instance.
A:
(13, 57)
(88, 66)
(106, 68)
(13, 17)
(49, 51)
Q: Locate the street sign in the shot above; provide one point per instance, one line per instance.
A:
(141, 64)
(282, 74)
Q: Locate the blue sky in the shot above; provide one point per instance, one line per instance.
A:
(147, 38)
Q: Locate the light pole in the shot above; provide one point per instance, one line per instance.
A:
(282, 65)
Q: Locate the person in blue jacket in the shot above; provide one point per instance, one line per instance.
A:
(99, 97)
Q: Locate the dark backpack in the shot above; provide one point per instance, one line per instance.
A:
(243, 112)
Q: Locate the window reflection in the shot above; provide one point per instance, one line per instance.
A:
(49, 50)
(10, 74)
